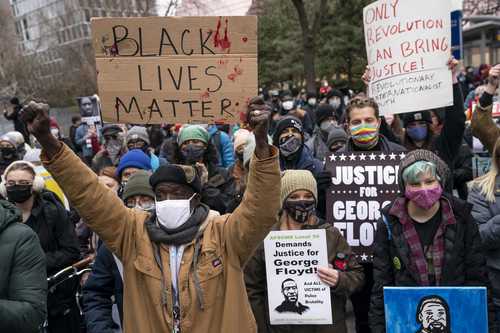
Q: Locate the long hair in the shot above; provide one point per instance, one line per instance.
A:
(486, 184)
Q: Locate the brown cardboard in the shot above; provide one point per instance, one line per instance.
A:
(206, 73)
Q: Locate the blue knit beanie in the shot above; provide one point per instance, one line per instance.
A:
(135, 158)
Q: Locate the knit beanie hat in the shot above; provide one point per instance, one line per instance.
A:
(6, 138)
(442, 169)
(324, 111)
(138, 184)
(336, 134)
(178, 174)
(110, 129)
(417, 116)
(294, 180)
(240, 137)
(193, 132)
(283, 124)
(135, 158)
(138, 132)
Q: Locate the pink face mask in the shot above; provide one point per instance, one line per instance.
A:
(424, 199)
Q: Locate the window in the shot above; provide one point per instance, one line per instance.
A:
(87, 15)
(25, 28)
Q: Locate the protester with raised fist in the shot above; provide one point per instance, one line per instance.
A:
(183, 263)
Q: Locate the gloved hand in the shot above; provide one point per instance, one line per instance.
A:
(324, 180)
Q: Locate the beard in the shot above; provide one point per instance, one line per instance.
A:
(437, 327)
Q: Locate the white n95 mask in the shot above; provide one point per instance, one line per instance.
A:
(173, 213)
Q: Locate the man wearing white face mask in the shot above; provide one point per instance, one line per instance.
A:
(182, 266)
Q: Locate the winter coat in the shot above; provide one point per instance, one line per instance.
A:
(317, 144)
(487, 216)
(23, 275)
(220, 192)
(103, 284)
(385, 145)
(447, 144)
(80, 140)
(350, 280)
(216, 301)
(462, 170)
(304, 161)
(50, 220)
(463, 265)
(224, 146)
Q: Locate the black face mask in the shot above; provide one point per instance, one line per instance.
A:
(8, 153)
(290, 145)
(300, 210)
(19, 193)
(192, 153)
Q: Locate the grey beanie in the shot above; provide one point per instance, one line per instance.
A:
(138, 132)
(426, 155)
(336, 134)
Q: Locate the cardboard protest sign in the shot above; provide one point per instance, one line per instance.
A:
(295, 293)
(408, 44)
(175, 69)
(436, 309)
(362, 184)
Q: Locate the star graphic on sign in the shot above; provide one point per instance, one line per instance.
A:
(343, 157)
(392, 156)
(362, 157)
(402, 155)
(364, 257)
(382, 156)
(352, 157)
(333, 157)
(372, 157)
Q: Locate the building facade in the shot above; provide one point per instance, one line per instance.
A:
(47, 29)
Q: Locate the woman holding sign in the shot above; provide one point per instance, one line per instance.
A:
(344, 275)
(425, 237)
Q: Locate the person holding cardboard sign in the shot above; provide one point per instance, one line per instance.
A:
(183, 263)
(299, 196)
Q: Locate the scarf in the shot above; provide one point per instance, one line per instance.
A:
(178, 236)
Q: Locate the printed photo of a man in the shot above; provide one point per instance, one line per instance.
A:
(291, 303)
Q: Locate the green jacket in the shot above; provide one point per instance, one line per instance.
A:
(23, 277)
(350, 280)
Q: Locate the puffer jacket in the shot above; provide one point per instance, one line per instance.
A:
(23, 274)
(464, 263)
(487, 216)
(211, 287)
(102, 287)
(350, 280)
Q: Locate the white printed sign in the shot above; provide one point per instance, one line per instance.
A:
(296, 295)
(408, 45)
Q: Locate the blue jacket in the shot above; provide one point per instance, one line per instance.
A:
(80, 140)
(305, 161)
(225, 148)
(104, 282)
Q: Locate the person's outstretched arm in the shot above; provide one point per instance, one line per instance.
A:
(100, 207)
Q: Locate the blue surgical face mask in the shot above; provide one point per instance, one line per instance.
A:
(417, 133)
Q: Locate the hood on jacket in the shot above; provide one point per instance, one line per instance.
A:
(8, 214)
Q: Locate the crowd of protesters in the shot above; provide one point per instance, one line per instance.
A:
(173, 217)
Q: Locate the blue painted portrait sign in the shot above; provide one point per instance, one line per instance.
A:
(436, 309)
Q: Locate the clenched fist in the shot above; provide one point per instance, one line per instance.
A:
(36, 117)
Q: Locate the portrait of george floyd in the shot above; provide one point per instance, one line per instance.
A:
(291, 303)
(435, 309)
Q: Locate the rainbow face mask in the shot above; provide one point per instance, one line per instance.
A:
(365, 135)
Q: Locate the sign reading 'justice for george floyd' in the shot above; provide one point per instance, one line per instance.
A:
(362, 184)
(175, 69)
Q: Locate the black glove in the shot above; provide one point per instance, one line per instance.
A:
(324, 180)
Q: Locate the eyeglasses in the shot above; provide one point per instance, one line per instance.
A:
(138, 144)
(10, 183)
